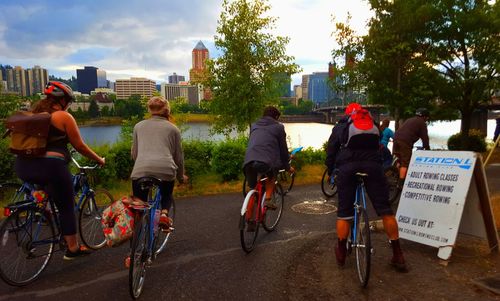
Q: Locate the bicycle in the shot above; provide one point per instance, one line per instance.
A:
(329, 183)
(31, 228)
(253, 213)
(284, 178)
(359, 238)
(148, 241)
(392, 174)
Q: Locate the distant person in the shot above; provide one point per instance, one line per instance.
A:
(497, 130)
(353, 147)
(406, 135)
(386, 134)
(267, 152)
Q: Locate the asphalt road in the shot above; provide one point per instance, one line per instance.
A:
(204, 261)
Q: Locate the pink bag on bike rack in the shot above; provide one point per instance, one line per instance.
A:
(118, 221)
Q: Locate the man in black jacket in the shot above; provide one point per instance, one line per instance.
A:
(267, 151)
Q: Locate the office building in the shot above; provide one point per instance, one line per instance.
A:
(197, 74)
(319, 90)
(305, 86)
(193, 94)
(16, 81)
(90, 78)
(297, 91)
(134, 86)
(176, 79)
(36, 79)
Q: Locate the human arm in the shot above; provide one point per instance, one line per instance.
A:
(68, 123)
(284, 155)
(178, 156)
(425, 137)
(332, 149)
(133, 149)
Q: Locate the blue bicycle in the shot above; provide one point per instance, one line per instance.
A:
(148, 240)
(359, 239)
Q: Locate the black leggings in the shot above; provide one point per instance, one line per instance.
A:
(54, 175)
(166, 191)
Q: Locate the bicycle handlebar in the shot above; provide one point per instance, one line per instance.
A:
(88, 167)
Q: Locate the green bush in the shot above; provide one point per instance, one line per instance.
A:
(197, 156)
(312, 156)
(228, 157)
(7, 172)
(122, 160)
(474, 142)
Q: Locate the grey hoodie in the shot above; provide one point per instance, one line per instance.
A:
(268, 144)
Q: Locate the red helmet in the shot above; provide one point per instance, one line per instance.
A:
(353, 106)
(58, 90)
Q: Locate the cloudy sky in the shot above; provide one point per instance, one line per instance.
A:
(153, 38)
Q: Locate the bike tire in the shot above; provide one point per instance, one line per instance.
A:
(90, 217)
(363, 247)
(392, 176)
(273, 217)
(247, 237)
(329, 189)
(162, 237)
(138, 254)
(286, 181)
(27, 242)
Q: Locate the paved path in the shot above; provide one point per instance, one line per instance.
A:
(204, 261)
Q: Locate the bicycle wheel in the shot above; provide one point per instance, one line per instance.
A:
(392, 175)
(249, 224)
(162, 237)
(272, 217)
(328, 185)
(138, 254)
(363, 246)
(286, 180)
(27, 241)
(89, 219)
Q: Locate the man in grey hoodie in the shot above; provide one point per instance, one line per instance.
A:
(267, 151)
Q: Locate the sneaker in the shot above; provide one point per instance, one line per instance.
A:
(341, 252)
(251, 226)
(82, 251)
(270, 204)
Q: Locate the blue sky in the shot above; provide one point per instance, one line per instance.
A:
(153, 38)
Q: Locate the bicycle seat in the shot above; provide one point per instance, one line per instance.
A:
(361, 175)
(148, 182)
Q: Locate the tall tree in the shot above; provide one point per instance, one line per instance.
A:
(93, 110)
(243, 79)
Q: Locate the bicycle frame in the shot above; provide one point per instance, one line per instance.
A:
(359, 201)
(261, 195)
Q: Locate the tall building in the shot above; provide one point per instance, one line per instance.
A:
(297, 91)
(319, 90)
(36, 79)
(175, 79)
(192, 93)
(305, 86)
(90, 78)
(16, 81)
(198, 71)
(134, 86)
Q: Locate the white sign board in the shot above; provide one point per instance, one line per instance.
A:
(433, 197)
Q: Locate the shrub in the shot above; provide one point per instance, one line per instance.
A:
(197, 156)
(7, 172)
(228, 157)
(474, 142)
(122, 160)
(312, 156)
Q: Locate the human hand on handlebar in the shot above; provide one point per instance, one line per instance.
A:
(291, 170)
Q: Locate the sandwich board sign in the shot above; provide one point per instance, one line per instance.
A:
(445, 193)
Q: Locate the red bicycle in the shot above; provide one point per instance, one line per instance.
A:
(254, 213)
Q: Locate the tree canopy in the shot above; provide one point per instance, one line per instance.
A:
(243, 79)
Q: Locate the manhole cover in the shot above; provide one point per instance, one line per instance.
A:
(489, 283)
(314, 207)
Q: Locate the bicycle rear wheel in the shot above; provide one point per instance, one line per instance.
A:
(272, 216)
(328, 185)
(363, 247)
(89, 219)
(162, 237)
(286, 180)
(138, 254)
(392, 175)
(27, 241)
(249, 224)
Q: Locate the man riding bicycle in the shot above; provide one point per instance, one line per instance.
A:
(267, 152)
(357, 150)
(411, 131)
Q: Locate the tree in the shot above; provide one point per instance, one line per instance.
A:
(243, 79)
(9, 103)
(347, 81)
(93, 110)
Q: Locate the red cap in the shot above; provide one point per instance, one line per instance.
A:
(352, 107)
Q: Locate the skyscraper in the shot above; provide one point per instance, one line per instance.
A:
(90, 78)
(197, 72)
(175, 79)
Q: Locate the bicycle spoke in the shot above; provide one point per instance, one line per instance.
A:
(273, 216)
(90, 218)
(363, 246)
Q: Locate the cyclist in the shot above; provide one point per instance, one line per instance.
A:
(51, 169)
(354, 152)
(157, 152)
(267, 152)
(406, 135)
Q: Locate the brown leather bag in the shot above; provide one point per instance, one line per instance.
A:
(28, 133)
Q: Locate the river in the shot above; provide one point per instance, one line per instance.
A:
(298, 134)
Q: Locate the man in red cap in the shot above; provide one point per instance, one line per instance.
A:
(353, 147)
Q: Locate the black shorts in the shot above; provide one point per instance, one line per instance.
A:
(254, 168)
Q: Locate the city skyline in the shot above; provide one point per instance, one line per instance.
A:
(151, 39)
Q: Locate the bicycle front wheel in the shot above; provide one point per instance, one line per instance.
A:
(286, 181)
(162, 237)
(89, 220)
(27, 241)
(138, 254)
(272, 216)
(328, 185)
(249, 223)
(363, 246)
